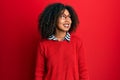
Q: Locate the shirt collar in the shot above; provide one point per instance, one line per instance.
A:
(67, 37)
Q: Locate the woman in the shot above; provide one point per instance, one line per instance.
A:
(60, 53)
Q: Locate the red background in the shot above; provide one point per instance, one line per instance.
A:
(99, 29)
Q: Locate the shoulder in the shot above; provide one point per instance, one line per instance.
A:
(43, 42)
(76, 39)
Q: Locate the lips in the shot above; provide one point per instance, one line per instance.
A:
(66, 25)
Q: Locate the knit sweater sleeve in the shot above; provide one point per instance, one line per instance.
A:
(39, 71)
(83, 71)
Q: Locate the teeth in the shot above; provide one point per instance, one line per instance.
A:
(66, 25)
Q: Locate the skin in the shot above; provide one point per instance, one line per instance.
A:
(63, 25)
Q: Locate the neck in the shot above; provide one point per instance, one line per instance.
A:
(60, 35)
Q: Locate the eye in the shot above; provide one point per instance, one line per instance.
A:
(63, 16)
(69, 16)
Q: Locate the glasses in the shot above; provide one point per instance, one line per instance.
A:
(63, 17)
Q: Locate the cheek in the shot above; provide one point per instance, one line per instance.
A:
(70, 21)
(60, 22)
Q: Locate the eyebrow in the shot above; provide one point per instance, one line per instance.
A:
(65, 14)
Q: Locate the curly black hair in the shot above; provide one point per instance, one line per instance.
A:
(48, 19)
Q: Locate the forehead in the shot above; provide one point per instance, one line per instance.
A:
(66, 12)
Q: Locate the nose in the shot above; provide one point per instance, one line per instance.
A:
(67, 18)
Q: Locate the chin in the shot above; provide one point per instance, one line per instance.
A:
(66, 30)
(63, 29)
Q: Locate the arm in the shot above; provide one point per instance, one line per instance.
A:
(39, 73)
(83, 72)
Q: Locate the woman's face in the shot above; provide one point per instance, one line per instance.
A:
(64, 21)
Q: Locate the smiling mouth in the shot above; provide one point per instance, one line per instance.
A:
(66, 25)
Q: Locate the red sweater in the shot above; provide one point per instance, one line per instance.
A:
(61, 60)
